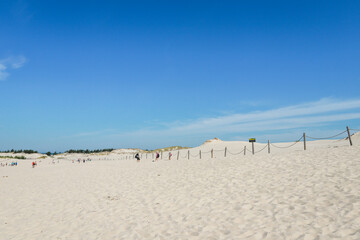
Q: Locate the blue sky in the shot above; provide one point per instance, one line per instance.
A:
(148, 74)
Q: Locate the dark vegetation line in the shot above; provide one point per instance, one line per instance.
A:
(16, 157)
(55, 153)
(89, 151)
(19, 151)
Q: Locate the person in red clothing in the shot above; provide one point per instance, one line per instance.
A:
(33, 164)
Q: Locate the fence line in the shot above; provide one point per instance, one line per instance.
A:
(261, 149)
(322, 138)
(295, 142)
(188, 155)
(235, 153)
(226, 150)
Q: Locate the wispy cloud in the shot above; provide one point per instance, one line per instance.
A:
(294, 114)
(284, 122)
(324, 111)
(3, 73)
(9, 63)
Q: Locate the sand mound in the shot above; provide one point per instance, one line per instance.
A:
(214, 140)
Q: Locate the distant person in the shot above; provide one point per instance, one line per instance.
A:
(33, 164)
(137, 156)
(157, 156)
(170, 155)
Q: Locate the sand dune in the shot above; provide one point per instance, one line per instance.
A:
(288, 194)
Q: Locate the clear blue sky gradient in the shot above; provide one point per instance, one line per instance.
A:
(98, 71)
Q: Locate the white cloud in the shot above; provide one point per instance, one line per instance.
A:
(17, 62)
(324, 111)
(286, 122)
(10, 63)
(301, 110)
(3, 73)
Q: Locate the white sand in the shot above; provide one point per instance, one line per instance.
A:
(288, 194)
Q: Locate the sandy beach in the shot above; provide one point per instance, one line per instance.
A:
(287, 194)
(179, 120)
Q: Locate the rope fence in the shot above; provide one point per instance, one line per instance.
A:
(295, 142)
(322, 138)
(225, 150)
(235, 153)
(303, 139)
(266, 146)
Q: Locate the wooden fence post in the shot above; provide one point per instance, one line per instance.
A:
(200, 153)
(253, 149)
(268, 146)
(244, 150)
(188, 154)
(212, 153)
(225, 152)
(178, 155)
(161, 154)
(348, 131)
(304, 136)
